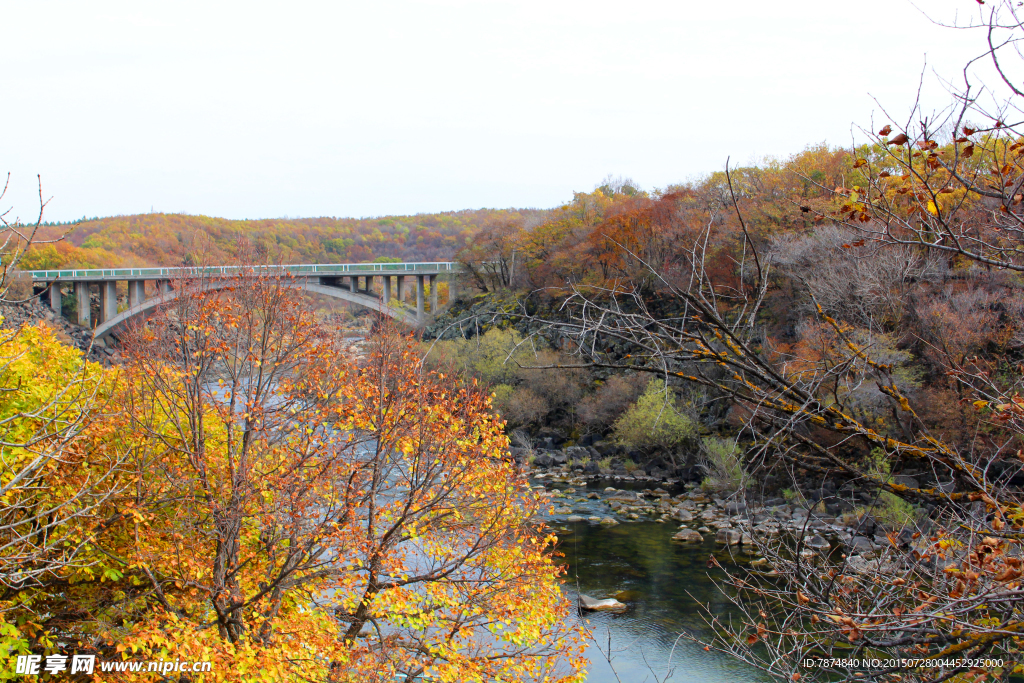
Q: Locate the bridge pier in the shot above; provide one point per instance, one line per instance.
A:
(84, 304)
(54, 290)
(136, 293)
(401, 288)
(387, 290)
(433, 294)
(108, 300)
(419, 297)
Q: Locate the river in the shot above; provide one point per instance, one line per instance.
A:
(663, 583)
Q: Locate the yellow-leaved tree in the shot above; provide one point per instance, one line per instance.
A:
(294, 516)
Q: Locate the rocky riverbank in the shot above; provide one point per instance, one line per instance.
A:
(737, 522)
(31, 312)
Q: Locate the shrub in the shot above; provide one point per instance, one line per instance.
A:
(612, 397)
(522, 396)
(69, 306)
(519, 405)
(654, 421)
(889, 508)
(793, 497)
(724, 463)
(893, 511)
(19, 286)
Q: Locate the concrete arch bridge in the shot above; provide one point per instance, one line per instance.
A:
(151, 287)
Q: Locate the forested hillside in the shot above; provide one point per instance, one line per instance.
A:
(842, 331)
(904, 251)
(172, 239)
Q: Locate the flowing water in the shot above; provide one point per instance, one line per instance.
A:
(664, 584)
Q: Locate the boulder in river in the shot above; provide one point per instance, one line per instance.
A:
(860, 544)
(607, 605)
(688, 536)
(817, 542)
(609, 521)
(682, 515)
(728, 537)
(861, 565)
(735, 508)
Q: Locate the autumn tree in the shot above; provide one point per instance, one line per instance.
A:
(59, 469)
(295, 516)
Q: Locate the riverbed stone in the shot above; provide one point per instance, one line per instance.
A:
(609, 521)
(682, 515)
(861, 565)
(728, 537)
(817, 542)
(860, 544)
(688, 536)
(735, 508)
(574, 518)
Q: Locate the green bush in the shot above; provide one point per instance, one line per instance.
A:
(723, 459)
(69, 307)
(654, 421)
(893, 511)
(500, 359)
(889, 508)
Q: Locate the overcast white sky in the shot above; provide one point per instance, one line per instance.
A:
(258, 109)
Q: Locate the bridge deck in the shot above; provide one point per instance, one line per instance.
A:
(298, 270)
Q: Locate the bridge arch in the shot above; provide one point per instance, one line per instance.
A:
(110, 327)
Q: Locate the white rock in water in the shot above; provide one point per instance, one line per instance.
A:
(609, 604)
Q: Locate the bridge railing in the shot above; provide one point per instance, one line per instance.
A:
(228, 271)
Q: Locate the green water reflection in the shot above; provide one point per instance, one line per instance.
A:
(664, 584)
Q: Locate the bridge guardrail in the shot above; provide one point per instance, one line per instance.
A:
(226, 271)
